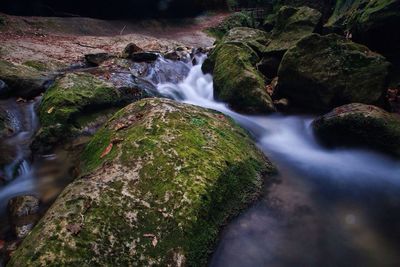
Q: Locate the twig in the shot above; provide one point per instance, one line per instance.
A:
(120, 33)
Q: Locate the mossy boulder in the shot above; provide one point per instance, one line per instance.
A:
(371, 22)
(233, 64)
(71, 98)
(362, 126)
(291, 25)
(160, 179)
(256, 39)
(238, 82)
(323, 72)
(23, 81)
(238, 19)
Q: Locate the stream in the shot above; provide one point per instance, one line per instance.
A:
(325, 207)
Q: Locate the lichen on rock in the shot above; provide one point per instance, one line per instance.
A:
(159, 180)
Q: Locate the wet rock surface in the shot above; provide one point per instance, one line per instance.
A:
(156, 189)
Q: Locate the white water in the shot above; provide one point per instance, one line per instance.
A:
(344, 185)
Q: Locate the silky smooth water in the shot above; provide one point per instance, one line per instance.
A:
(325, 207)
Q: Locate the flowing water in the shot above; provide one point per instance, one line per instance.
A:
(325, 208)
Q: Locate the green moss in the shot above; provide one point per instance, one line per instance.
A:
(71, 102)
(38, 65)
(175, 175)
(237, 82)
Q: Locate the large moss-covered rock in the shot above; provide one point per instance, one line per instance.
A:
(160, 180)
(371, 22)
(23, 81)
(292, 24)
(323, 72)
(70, 98)
(360, 125)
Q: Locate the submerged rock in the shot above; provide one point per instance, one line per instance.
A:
(160, 179)
(22, 81)
(323, 72)
(360, 125)
(23, 211)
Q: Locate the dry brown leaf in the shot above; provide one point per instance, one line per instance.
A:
(107, 150)
(50, 110)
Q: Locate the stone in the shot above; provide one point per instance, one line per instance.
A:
(97, 59)
(323, 72)
(360, 125)
(144, 56)
(173, 177)
(22, 81)
(130, 49)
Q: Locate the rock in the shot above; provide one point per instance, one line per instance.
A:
(71, 97)
(22, 210)
(291, 25)
(374, 23)
(237, 81)
(237, 19)
(4, 89)
(97, 59)
(323, 72)
(160, 179)
(23, 206)
(22, 81)
(361, 126)
(144, 56)
(130, 49)
(254, 38)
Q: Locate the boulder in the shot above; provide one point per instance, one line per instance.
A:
(291, 25)
(144, 56)
(371, 22)
(360, 125)
(256, 39)
(323, 72)
(237, 19)
(22, 81)
(71, 98)
(236, 78)
(237, 81)
(159, 181)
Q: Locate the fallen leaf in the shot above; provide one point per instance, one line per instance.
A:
(107, 150)
(154, 242)
(50, 110)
